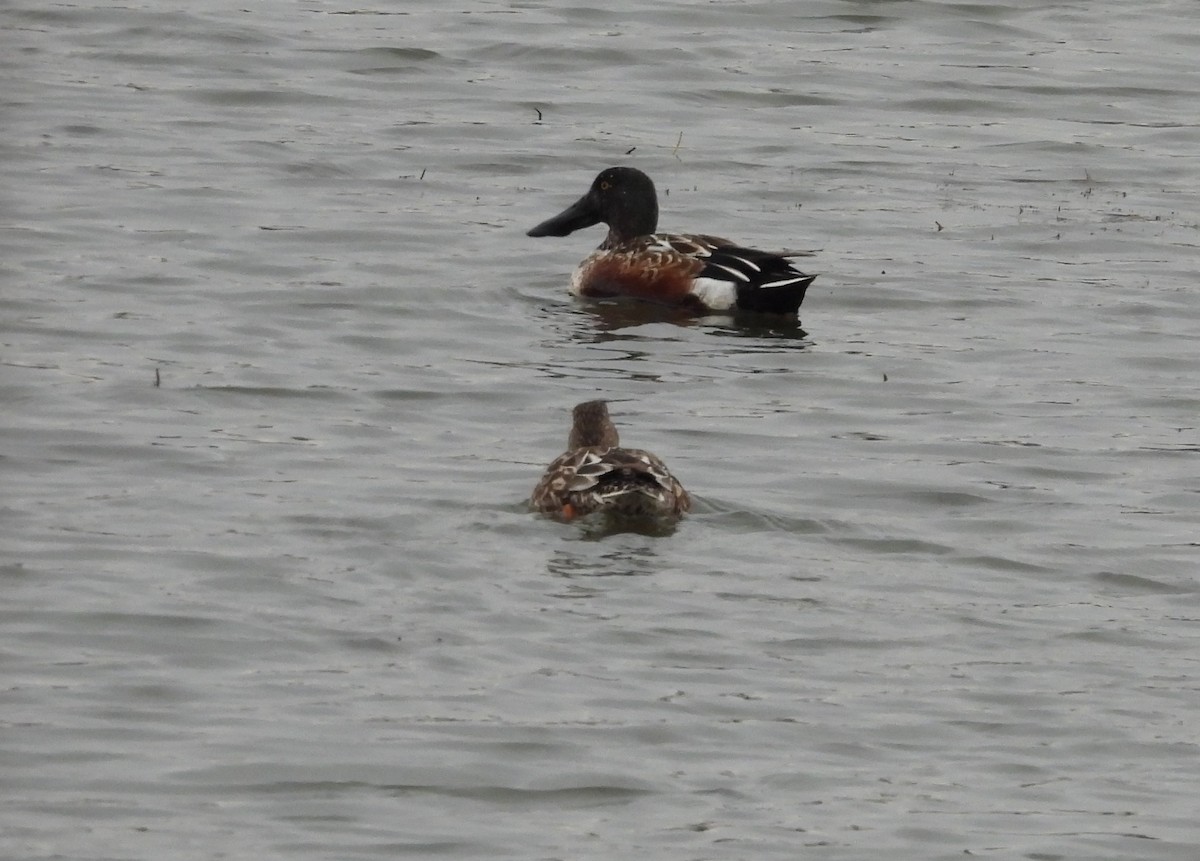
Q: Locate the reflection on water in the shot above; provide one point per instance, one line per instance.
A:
(601, 525)
(609, 315)
(614, 315)
(779, 332)
(610, 559)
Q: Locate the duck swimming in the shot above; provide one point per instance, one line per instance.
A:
(706, 273)
(596, 474)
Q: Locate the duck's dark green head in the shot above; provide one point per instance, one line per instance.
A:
(621, 197)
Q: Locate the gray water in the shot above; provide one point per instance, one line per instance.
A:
(280, 367)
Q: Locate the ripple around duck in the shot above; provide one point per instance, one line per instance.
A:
(391, 52)
(271, 392)
(245, 97)
(898, 546)
(1132, 584)
(774, 98)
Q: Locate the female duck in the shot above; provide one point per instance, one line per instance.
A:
(706, 273)
(596, 474)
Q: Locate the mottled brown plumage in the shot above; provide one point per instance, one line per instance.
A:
(596, 474)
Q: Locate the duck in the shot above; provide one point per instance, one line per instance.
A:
(703, 273)
(595, 474)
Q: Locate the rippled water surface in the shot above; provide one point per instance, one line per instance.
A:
(280, 367)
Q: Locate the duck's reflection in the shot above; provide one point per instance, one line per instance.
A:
(605, 318)
(629, 559)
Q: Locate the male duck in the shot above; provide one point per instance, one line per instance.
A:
(706, 273)
(595, 474)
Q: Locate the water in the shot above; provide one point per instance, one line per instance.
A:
(280, 368)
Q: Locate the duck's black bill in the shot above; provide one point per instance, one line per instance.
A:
(582, 213)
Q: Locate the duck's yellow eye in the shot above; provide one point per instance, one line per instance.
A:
(605, 186)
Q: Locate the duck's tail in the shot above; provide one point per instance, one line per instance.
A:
(783, 294)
